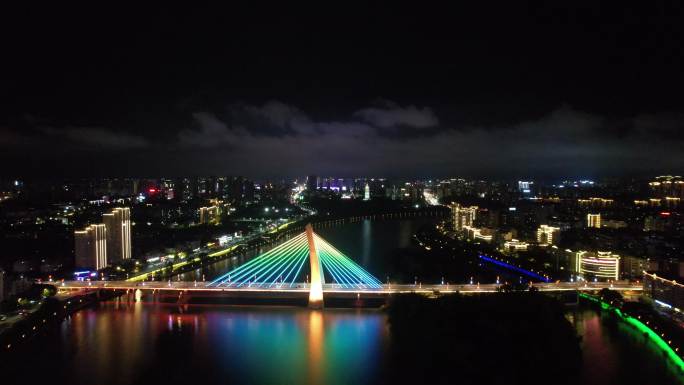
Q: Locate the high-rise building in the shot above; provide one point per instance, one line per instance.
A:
(600, 265)
(462, 216)
(312, 183)
(208, 215)
(366, 193)
(525, 187)
(91, 247)
(594, 220)
(118, 223)
(548, 235)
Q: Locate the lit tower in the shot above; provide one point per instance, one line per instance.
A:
(316, 290)
(594, 220)
(118, 223)
(366, 192)
(91, 247)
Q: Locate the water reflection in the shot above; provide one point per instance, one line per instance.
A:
(131, 342)
(316, 336)
(616, 353)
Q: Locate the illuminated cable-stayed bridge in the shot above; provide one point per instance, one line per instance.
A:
(281, 273)
(285, 265)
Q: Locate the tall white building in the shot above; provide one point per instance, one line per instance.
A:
(366, 193)
(91, 247)
(118, 223)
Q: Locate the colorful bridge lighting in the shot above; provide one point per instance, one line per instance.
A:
(285, 265)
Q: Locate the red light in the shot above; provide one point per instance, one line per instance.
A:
(665, 213)
(152, 190)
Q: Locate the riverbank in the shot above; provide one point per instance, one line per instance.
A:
(48, 315)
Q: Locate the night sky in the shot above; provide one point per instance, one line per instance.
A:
(539, 90)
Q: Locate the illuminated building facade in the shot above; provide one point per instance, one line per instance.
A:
(667, 186)
(672, 202)
(118, 224)
(479, 234)
(602, 265)
(525, 187)
(208, 215)
(462, 216)
(366, 192)
(595, 202)
(515, 245)
(594, 220)
(548, 235)
(91, 247)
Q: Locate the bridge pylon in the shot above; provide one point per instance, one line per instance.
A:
(316, 285)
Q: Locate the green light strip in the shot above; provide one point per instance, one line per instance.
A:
(661, 343)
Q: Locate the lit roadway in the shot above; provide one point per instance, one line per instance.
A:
(334, 288)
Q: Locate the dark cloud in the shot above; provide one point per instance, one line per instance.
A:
(47, 139)
(277, 138)
(392, 115)
(564, 140)
(98, 138)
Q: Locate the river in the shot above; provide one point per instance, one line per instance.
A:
(120, 342)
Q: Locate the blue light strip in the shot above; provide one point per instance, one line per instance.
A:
(518, 269)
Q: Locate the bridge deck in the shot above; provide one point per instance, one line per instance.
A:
(333, 288)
